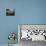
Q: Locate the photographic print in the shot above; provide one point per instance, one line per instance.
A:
(10, 12)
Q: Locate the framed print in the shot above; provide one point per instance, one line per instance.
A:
(10, 12)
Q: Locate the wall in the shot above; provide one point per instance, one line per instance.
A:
(27, 12)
